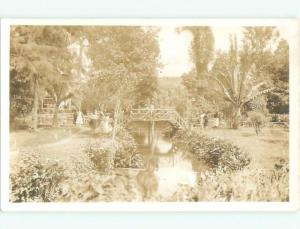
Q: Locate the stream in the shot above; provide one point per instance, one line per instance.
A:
(166, 166)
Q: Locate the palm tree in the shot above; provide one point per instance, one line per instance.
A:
(236, 76)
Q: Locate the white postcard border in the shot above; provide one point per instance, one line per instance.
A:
(294, 83)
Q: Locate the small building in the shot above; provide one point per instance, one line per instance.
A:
(47, 109)
(48, 103)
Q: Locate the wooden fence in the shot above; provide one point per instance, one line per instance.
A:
(64, 119)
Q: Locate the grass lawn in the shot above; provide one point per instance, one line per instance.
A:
(25, 138)
(265, 149)
(64, 146)
(60, 141)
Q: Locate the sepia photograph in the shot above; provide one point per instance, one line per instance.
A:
(147, 113)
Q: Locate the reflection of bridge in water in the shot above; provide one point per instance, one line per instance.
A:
(152, 115)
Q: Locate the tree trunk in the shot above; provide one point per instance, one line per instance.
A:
(35, 105)
(236, 117)
(116, 116)
(55, 115)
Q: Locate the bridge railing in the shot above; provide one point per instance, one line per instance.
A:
(158, 114)
(151, 114)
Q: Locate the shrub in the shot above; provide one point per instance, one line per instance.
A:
(102, 155)
(122, 153)
(34, 181)
(127, 155)
(215, 152)
(124, 160)
(257, 120)
(246, 185)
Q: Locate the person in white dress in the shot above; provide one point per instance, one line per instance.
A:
(105, 126)
(202, 120)
(79, 119)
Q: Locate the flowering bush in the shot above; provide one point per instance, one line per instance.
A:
(34, 181)
(215, 152)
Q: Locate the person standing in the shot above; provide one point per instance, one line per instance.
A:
(202, 120)
(217, 120)
(151, 109)
(79, 119)
(74, 117)
(94, 120)
(205, 120)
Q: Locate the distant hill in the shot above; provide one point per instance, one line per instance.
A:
(169, 82)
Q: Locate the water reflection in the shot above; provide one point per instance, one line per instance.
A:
(167, 167)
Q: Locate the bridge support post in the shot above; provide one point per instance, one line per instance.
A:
(151, 132)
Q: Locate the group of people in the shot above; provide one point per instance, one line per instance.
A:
(98, 121)
(204, 119)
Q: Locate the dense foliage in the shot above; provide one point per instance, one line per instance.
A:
(228, 80)
(40, 63)
(98, 67)
(198, 81)
(246, 185)
(124, 67)
(278, 99)
(257, 119)
(127, 155)
(122, 154)
(35, 181)
(215, 152)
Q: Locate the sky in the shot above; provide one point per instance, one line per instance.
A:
(175, 47)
